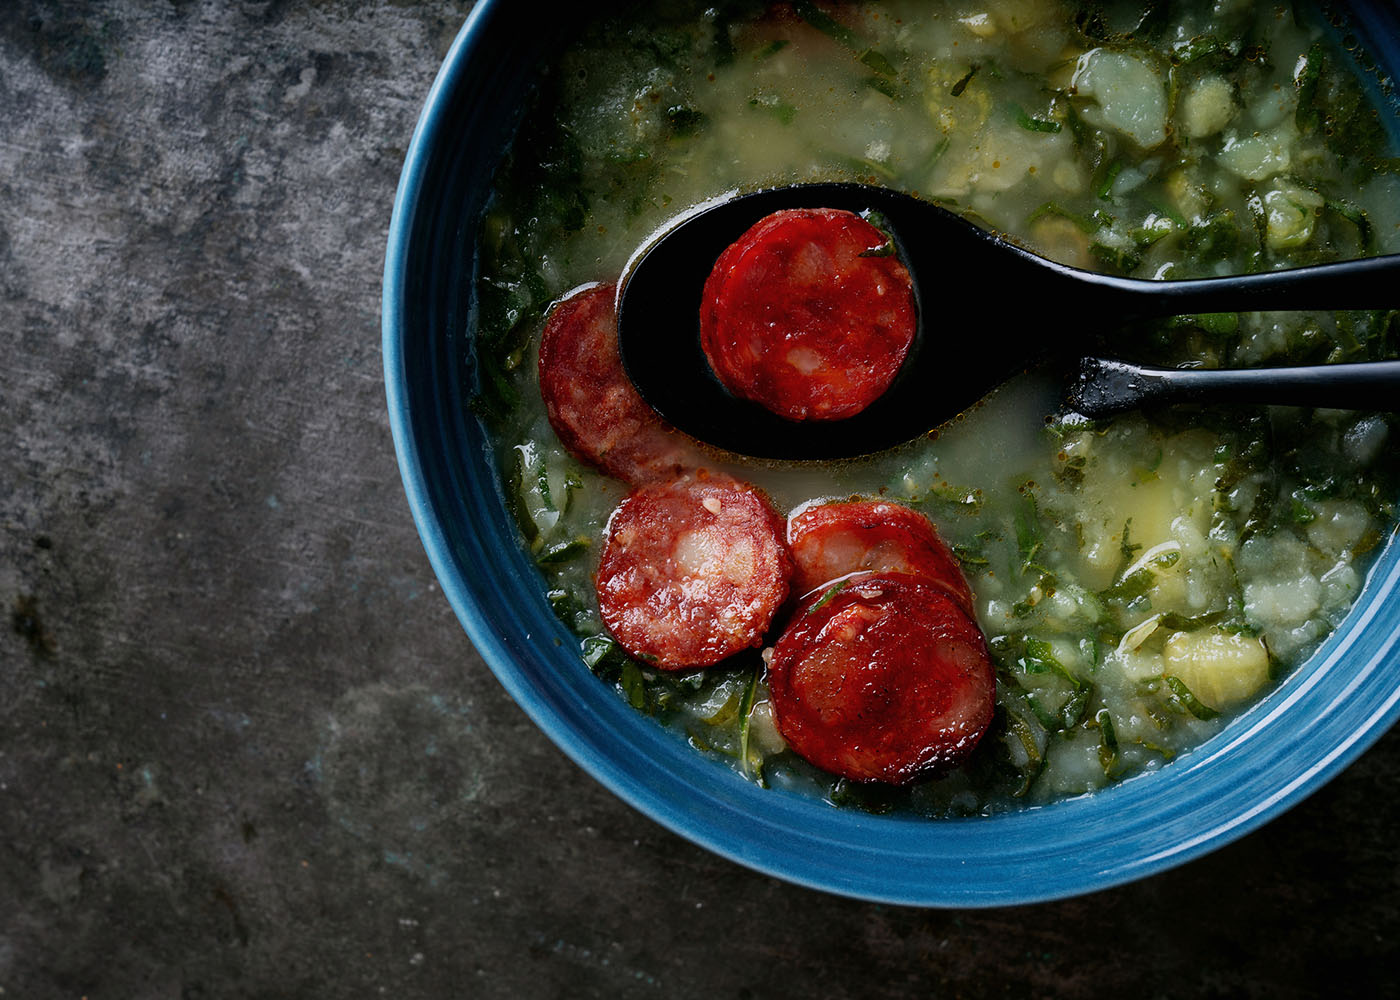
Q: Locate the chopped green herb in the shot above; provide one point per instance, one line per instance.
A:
(1182, 697)
(1357, 216)
(1174, 622)
(1108, 741)
(1306, 77)
(1137, 583)
(953, 498)
(830, 592)
(1031, 124)
(861, 166)
(1029, 535)
(938, 150)
(633, 684)
(825, 23)
(685, 122)
(1154, 228)
(885, 249)
(883, 85)
(1047, 719)
(728, 713)
(878, 63)
(1105, 186)
(1040, 658)
(1072, 711)
(1127, 548)
(1184, 53)
(961, 85)
(1219, 324)
(776, 106)
(1120, 259)
(542, 484)
(1035, 760)
(752, 765)
(572, 484)
(1219, 238)
(772, 48)
(515, 497)
(563, 551)
(1083, 223)
(603, 655)
(968, 555)
(569, 610)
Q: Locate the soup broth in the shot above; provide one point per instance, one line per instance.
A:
(1138, 580)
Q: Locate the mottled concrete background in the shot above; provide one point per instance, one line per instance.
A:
(245, 748)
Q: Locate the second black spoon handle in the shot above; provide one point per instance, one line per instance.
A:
(1102, 386)
(1366, 283)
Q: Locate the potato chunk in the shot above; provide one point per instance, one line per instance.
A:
(1221, 669)
(1131, 94)
(1290, 212)
(1207, 107)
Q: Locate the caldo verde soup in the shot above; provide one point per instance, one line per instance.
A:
(1137, 580)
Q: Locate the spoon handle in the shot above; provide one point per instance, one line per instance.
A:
(1102, 387)
(1367, 283)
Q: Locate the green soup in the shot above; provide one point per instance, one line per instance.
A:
(1138, 580)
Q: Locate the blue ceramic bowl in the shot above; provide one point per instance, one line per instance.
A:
(1319, 720)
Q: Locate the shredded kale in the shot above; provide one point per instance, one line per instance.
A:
(885, 249)
(961, 85)
(751, 763)
(776, 106)
(1128, 549)
(1030, 536)
(1306, 78)
(1121, 259)
(685, 122)
(1191, 50)
(828, 594)
(884, 86)
(603, 655)
(1031, 124)
(825, 23)
(772, 48)
(1104, 188)
(1020, 728)
(1357, 216)
(877, 62)
(633, 684)
(1182, 699)
(564, 551)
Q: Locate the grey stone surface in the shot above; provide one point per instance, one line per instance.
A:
(245, 748)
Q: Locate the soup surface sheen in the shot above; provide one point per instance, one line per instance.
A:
(1138, 580)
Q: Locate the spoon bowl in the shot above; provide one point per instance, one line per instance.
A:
(987, 310)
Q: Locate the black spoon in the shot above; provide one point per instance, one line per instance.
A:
(1102, 387)
(988, 310)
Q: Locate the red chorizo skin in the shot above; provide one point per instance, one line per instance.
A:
(884, 680)
(833, 540)
(692, 571)
(591, 403)
(796, 319)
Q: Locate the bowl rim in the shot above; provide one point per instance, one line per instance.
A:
(735, 819)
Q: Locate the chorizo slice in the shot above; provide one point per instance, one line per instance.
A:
(883, 679)
(808, 315)
(833, 540)
(591, 403)
(692, 571)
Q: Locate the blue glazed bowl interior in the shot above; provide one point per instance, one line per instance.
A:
(1320, 719)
